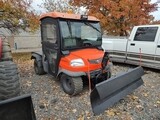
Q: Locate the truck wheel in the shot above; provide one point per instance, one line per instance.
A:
(9, 80)
(6, 51)
(38, 68)
(71, 85)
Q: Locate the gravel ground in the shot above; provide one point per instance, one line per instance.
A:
(51, 103)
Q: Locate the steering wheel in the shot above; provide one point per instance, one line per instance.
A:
(87, 43)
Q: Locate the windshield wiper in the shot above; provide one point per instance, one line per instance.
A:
(89, 24)
(69, 27)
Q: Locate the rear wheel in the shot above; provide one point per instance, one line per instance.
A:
(9, 80)
(38, 67)
(71, 85)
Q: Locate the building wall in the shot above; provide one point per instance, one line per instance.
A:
(23, 40)
(26, 40)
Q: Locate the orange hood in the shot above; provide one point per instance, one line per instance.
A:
(88, 54)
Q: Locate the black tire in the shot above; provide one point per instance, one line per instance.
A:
(6, 51)
(9, 80)
(71, 85)
(38, 67)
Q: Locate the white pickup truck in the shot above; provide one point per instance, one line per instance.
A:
(142, 47)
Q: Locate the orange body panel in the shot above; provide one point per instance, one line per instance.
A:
(67, 16)
(86, 55)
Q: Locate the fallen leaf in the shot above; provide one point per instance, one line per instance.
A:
(74, 110)
(139, 107)
(81, 118)
(87, 114)
(133, 97)
(158, 102)
(29, 83)
(145, 94)
(127, 117)
(155, 105)
(110, 113)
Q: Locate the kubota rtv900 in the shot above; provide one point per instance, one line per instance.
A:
(71, 46)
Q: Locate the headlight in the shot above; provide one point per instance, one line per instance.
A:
(77, 62)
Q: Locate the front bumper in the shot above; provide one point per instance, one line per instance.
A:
(93, 74)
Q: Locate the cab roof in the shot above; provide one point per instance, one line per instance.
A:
(66, 16)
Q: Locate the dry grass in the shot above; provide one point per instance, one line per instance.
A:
(24, 63)
(21, 57)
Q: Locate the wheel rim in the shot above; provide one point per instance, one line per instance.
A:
(67, 84)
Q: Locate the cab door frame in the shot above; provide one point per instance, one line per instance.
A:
(50, 39)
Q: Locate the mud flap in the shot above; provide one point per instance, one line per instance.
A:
(108, 92)
(18, 108)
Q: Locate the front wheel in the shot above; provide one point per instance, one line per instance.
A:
(71, 85)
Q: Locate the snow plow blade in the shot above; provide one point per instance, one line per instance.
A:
(108, 92)
(18, 108)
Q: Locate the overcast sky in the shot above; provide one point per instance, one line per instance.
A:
(155, 14)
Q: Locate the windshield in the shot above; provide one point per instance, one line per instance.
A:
(78, 34)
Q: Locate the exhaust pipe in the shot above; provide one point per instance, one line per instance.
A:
(108, 92)
(18, 108)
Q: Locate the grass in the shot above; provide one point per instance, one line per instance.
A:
(21, 57)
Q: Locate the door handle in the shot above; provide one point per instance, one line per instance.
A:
(132, 44)
(158, 46)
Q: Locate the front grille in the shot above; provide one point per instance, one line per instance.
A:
(94, 73)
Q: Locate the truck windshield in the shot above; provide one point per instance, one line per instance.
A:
(78, 34)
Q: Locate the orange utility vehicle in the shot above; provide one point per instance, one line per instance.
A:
(71, 51)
